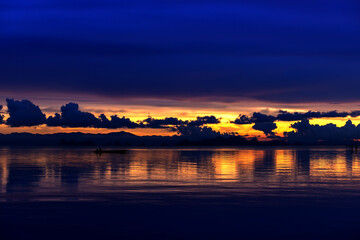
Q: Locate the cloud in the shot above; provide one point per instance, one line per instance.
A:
(189, 128)
(257, 117)
(307, 133)
(24, 113)
(243, 119)
(71, 116)
(204, 120)
(265, 123)
(170, 122)
(117, 122)
(1, 116)
(266, 127)
(297, 116)
(288, 116)
(162, 123)
(197, 131)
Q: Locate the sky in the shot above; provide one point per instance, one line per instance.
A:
(180, 59)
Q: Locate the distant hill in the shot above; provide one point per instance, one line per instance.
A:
(116, 139)
(125, 139)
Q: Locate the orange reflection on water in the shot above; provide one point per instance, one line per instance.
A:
(4, 173)
(334, 165)
(285, 162)
(80, 170)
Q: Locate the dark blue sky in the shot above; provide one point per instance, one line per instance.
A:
(277, 51)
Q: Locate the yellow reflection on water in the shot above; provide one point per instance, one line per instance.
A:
(4, 173)
(285, 162)
(63, 169)
(226, 165)
(337, 164)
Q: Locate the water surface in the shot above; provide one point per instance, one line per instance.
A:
(250, 193)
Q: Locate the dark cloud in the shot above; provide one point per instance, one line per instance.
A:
(71, 116)
(24, 113)
(204, 120)
(170, 122)
(297, 116)
(162, 123)
(265, 123)
(288, 116)
(257, 117)
(116, 122)
(266, 127)
(197, 131)
(194, 129)
(355, 113)
(307, 133)
(1, 116)
(243, 119)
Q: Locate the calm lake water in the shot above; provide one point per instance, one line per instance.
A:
(239, 193)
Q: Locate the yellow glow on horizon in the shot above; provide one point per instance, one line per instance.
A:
(50, 130)
(337, 121)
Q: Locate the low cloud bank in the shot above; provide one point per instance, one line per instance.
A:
(71, 116)
(25, 113)
(287, 116)
(193, 128)
(296, 116)
(307, 133)
(265, 123)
